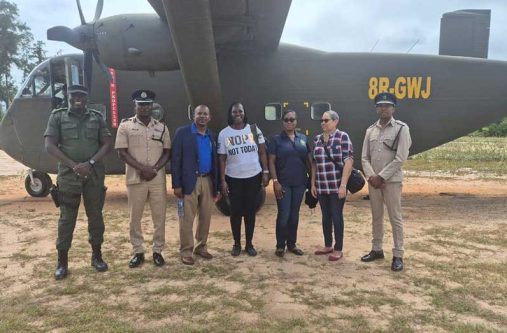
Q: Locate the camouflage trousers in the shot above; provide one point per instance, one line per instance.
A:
(93, 193)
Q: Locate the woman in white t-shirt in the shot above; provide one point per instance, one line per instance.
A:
(242, 173)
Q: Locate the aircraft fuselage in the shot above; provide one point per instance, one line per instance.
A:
(441, 98)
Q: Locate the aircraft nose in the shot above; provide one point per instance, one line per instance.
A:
(9, 141)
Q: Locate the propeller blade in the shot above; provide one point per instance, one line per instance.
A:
(88, 68)
(98, 10)
(63, 34)
(102, 66)
(81, 16)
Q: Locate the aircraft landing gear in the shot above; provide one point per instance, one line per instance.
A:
(224, 206)
(37, 183)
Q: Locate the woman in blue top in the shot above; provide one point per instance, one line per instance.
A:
(289, 165)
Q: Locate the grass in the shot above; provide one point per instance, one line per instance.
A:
(464, 156)
(455, 281)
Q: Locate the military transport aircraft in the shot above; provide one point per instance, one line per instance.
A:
(217, 51)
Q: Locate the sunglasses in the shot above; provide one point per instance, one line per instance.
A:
(325, 120)
(289, 120)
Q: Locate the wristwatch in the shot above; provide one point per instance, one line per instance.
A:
(92, 162)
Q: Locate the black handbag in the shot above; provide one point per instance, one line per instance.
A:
(310, 200)
(356, 180)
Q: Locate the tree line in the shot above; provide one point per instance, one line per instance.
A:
(19, 51)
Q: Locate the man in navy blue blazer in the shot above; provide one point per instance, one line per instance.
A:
(195, 182)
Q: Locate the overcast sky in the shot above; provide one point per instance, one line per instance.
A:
(330, 25)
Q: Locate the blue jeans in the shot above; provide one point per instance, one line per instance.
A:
(332, 216)
(287, 219)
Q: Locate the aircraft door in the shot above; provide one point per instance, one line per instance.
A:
(29, 114)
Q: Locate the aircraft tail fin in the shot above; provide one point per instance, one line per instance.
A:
(465, 33)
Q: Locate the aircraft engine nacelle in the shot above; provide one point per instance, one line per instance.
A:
(135, 42)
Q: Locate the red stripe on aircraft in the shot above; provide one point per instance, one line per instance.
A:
(114, 99)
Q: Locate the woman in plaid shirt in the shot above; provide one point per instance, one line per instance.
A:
(330, 174)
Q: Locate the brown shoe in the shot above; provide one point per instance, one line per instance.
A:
(204, 254)
(323, 250)
(187, 260)
(335, 256)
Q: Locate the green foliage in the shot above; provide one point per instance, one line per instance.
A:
(496, 129)
(466, 155)
(17, 50)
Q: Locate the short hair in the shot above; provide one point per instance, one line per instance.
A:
(285, 112)
(201, 106)
(230, 120)
(333, 115)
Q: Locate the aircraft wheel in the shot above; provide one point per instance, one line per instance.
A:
(41, 185)
(224, 205)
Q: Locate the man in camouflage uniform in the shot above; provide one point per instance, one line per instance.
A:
(79, 138)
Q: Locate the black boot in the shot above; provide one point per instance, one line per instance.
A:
(97, 262)
(62, 265)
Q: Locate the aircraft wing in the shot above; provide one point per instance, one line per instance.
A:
(201, 28)
(243, 23)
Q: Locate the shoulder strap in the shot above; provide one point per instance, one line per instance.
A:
(395, 139)
(328, 153)
(253, 128)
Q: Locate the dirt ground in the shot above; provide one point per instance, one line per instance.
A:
(455, 238)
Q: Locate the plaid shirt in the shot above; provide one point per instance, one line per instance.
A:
(328, 175)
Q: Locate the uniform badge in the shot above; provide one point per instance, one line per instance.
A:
(143, 94)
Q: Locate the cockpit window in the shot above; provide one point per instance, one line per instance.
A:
(38, 83)
(42, 83)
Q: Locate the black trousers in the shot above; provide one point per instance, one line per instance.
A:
(243, 195)
(332, 218)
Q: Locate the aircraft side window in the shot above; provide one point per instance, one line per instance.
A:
(273, 111)
(157, 111)
(318, 108)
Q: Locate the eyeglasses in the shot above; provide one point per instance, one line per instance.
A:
(289, 120)
(325, 120)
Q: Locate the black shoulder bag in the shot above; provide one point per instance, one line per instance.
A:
(356, 180)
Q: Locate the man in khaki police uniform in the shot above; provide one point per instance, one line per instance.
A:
(143, 143)
(385, 149)
(78, 138)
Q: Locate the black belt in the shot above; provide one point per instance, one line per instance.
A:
(203, 174)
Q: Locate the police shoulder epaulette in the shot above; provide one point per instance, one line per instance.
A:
(399, 122)
(372, 125)
(125, 119)
(59, 110)
(96, 112)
